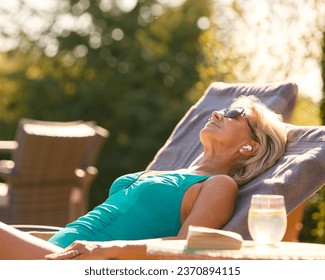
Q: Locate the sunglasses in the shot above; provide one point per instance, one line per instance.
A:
(236, 111)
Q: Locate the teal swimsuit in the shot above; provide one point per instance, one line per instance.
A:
(135, 209)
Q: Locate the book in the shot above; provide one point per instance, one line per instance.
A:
(213, 239)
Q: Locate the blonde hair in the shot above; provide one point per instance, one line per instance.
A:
(271, 135)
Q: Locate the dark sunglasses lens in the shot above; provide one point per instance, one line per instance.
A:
(234, 112)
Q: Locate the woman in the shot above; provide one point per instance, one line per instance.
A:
(239, 143)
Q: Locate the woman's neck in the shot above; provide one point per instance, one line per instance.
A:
(206, 168)
(212, 165)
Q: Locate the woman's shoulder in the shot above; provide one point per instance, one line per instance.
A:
(222, 181)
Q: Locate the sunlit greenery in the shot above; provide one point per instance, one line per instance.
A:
(130, 71)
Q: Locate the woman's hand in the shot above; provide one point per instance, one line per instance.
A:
(82, 250)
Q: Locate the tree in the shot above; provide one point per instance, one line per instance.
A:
(129, 70)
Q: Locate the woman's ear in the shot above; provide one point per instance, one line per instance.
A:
(250, 148)
(256, 147)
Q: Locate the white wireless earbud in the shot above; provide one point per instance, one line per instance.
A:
(248, 147)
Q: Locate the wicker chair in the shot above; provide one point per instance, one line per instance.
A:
(51, 159)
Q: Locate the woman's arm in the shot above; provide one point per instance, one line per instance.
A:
(214, 205)
(18, 245)
(121, 250)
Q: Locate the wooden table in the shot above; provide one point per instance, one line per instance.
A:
(176, 249)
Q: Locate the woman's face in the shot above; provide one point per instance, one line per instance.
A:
(227, 131)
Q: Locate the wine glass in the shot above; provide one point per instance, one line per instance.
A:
(267, 219)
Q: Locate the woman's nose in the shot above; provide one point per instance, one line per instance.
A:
(216, 115)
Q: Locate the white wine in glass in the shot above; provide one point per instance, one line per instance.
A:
(267, 219)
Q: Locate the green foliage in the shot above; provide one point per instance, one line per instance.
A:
(130, 72)
(306, 112)
(314, 219)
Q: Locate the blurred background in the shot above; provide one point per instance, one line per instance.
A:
(136, 66)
